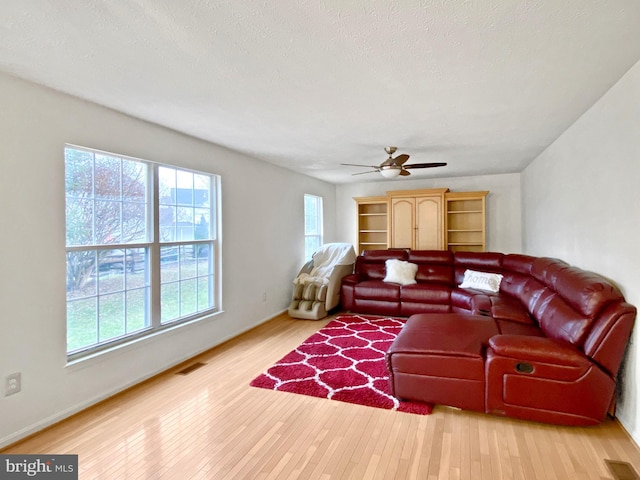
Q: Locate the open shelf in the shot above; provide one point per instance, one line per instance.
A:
(466, 221)
(373, 223)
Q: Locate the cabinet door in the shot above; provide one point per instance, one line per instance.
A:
(429, 231)
(402, 222)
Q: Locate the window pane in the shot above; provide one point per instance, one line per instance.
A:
(202, 187)
(204, 293)
(170, 301)
(188, 297)
(82, 323)
(168, 223)
(107, 220)
(187, 262)
(111, 318)
(111, 271)
(81, 274)
(169, 265)
(203, 224)
(204, 263)
(137, 272)
(167, 185)
(79, 218)
(311, 244)
(78, 173)
(134, 222)
(134, 181)
(107, 181)
(185, 223)
(137, 301)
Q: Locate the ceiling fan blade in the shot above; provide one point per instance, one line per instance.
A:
(359, 165)
(362, 173)
(404, 172)
(425, 165)
(400, 159)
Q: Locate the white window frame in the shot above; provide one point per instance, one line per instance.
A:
(317, 232)
(153, 245)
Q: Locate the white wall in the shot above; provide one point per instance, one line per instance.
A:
(581, 203)
(503, 204)
(263, 248)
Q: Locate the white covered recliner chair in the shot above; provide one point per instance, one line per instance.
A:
(317, 287)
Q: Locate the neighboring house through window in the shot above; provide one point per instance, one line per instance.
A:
(312, 225)
(142, 247)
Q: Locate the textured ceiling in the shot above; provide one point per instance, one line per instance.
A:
(484, 85)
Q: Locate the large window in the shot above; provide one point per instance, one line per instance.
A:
(312, 225)
(141, 247)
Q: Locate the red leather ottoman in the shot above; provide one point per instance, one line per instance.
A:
(439, 358)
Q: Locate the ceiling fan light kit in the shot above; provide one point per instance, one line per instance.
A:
(390, 171)
(394, 167)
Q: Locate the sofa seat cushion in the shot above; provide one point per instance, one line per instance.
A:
(438, 294)
(376, 307)
(412, 308)
(377, 290)
(504, 307)
(537, 349)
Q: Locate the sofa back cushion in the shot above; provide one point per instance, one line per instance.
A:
(547, 270)
(587, 292)
(372, 262)
(434, 266)
(560, 321)
(571, 300)
(490, 262)
(516, 270)
(533, 293)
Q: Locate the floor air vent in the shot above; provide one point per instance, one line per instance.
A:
(621, 470)
(191, 368)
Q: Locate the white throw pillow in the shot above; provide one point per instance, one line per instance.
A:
(481, 280)
(399, 271)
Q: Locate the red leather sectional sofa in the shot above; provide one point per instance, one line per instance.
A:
(547, 346)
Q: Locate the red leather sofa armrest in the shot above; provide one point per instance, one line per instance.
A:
(470, 301)
(537, 349)
(353, 279)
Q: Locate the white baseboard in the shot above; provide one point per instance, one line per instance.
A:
(60, 416)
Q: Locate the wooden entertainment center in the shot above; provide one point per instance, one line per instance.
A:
(426, 219)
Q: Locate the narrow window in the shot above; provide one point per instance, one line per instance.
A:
(312, 225)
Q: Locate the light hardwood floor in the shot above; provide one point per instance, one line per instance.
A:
(210, 424)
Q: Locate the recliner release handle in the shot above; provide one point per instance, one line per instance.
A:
(522, 367)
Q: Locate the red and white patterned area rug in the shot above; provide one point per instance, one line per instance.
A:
(343, 361)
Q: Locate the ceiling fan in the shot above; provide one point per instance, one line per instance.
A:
(392, 167)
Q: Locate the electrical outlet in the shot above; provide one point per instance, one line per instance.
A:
(12, 384)
(264, 297)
